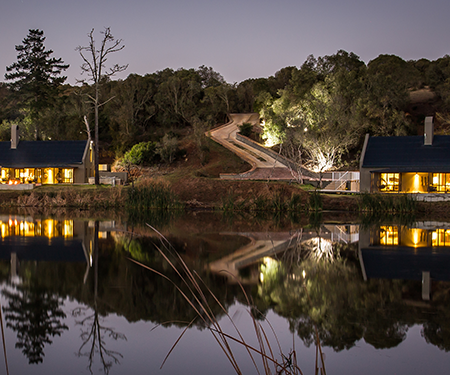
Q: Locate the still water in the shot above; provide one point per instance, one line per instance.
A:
(74, 302)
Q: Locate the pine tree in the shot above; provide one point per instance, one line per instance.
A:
(36, 76)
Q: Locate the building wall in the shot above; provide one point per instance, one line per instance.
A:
(364, 173)
(365, 180)
(82, 173)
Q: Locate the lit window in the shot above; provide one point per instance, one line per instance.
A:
(388, 235)
(389, 181)
(68, 175)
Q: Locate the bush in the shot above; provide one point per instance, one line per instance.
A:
(139, 154)
(167, 148)
(245, 129)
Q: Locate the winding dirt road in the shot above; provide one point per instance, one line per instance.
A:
(263, 166)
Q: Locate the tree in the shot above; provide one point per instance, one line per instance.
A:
(388, 83)
(94, 65)
(35, 76)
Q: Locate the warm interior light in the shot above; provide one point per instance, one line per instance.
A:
(416, 236)
(388, 235)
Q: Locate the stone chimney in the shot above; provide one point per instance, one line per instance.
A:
(428, 132)
(14, 136)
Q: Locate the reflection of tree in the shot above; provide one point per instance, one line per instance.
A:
(436, 330)
(92, 332)
(332, 296)
(36, 317)
(93, 336)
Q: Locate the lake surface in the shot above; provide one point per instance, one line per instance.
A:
(74, 302)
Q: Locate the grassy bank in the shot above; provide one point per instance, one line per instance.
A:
(69, 196)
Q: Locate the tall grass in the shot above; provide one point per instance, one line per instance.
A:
(315, 202)
(152, 195)
(99, 198)
(386, 203)
(262, 354)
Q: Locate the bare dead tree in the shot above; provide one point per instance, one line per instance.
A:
(94, 66)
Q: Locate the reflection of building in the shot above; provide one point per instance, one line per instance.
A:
(408, 253)
(316, 243)
(412, 164)
(49, 240)
(49, 162)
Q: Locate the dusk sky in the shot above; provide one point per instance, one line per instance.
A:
(239, 39)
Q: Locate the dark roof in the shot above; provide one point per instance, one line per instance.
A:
(42, 154)
(408, 154)
(42, 249)
(406, 263)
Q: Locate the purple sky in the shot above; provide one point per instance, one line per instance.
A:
(239, 39)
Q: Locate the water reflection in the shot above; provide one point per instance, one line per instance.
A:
(93, 327)
(320, 279)
(36, 316)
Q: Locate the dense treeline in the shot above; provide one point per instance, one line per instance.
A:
(328, 104)
(322, 109)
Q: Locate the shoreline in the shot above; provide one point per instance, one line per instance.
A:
(200, 194)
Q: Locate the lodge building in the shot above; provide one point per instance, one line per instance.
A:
(44, 162)
(408, 164)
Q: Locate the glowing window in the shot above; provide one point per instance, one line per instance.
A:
(68, 175)
(440, 237)
(389, 181)
(388, 235)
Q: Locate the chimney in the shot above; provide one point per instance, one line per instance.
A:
(428, 132)
(14, 136)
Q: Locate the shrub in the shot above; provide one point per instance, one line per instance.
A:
(167, 148)
(139, 154)
(245, 129)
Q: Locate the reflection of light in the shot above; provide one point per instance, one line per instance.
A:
(49, 228)
(304, 273)
(68, 228)
(322, 248)
(269, 262)
(388, 235)
(261, 277)
(416, 238)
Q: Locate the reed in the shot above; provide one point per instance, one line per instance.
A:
(96, 198)
(315, 202)
(386, 203)
(152, 195)
(196, 293)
